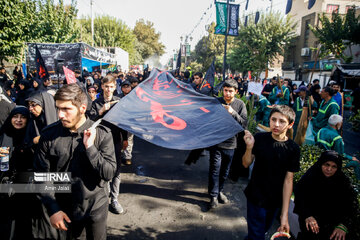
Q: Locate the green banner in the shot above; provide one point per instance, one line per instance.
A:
(187, 50)
(221, 18)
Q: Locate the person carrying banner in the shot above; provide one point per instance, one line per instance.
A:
(280, 95)
(126, 153)
(327, 108)
(100, 107)
(201, 85)
(221, 155)
(270, 187)
(72, 145)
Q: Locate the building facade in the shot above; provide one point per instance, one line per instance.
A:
(301, 57)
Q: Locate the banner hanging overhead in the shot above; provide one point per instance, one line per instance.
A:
(222, 19)
(234, 20)
(169, 113)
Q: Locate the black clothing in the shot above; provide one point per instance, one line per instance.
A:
(356, 102)
(40, 86)
(20, 160)
(97, 104)
(330, 200)
(273, 160)
(7, 87)
(119, 135)
(63, 151)
(243, 87)
(5, 108)
(18, 75)
(47, 116)
(316, 95)
(3, 79)
(268, 88)
(24, 94)
(240, 115)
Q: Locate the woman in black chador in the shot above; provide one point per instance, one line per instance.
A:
(325, 201)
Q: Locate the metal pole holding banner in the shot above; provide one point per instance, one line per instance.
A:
(226, 35)
(92, 22)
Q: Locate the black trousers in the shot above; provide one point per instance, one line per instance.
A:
(92, 225)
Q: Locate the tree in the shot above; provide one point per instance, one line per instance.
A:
(148, 39)
(55, 22)
(14, 17)
(34, 21)
(110, 32)
(208, 47)
(337, 33)
(261, 43)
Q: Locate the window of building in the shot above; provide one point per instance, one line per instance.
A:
(330, 8)
(306, 33)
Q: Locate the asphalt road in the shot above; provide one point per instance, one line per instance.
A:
(165, 199)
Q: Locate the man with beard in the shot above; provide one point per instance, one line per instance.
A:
(71, 145)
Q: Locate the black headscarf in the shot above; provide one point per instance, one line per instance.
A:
(40, 86)
(7, 130)
(47, 116)
(14, 138)
(328, 199)
(24, 94)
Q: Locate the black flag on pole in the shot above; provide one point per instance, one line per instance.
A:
(178, 62)
(311, 3)
(257, 17)
(288, 6)
(209, 76)
(41, 71)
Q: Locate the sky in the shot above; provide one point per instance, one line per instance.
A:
(172, 18)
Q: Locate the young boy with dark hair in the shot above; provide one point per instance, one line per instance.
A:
(221, 155)
(270, 187)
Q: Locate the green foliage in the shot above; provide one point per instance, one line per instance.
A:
(309, 154)
(34, 21)
(352, 26)
(208, 47)
(261, 43)
(251, 111)
(196, 67)
(14, 16)
(111, 32)
(55, 22)
(148, 39)
(355, 121)
(337, 33)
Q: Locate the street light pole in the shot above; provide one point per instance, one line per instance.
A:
(92, 21)
(226, 35)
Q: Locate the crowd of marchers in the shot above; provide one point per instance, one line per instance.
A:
(46, 129)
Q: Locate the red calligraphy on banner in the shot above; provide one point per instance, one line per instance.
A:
(158, 112)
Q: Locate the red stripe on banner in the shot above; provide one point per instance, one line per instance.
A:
(204, 109)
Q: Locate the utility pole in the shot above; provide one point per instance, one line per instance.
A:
(226, 35)
(92, 21)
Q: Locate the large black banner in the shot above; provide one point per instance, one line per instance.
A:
(74, 56)
(169, 113)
